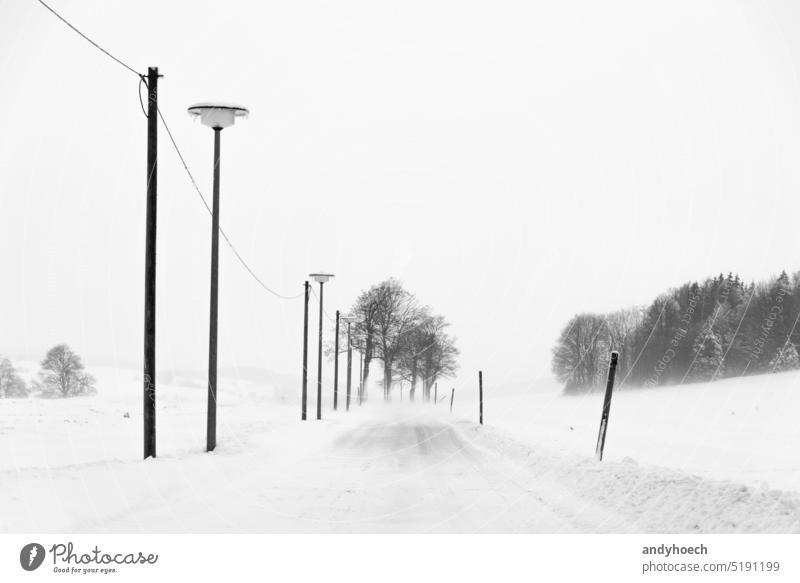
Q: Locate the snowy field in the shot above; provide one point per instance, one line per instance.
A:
(742, 429)
(703, 458)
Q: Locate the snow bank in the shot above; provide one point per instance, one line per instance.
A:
(639, 498)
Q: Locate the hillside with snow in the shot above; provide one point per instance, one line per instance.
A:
(717, 457)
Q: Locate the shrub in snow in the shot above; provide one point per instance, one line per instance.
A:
(11, 384)
(786, 359)
(63, 374)
(708, 360)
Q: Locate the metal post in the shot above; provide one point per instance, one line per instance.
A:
(480, 394)
(601, 437)
(211, 425)
(319, 357)
(149, 375)
(336, 365)
(452, 394)
(349, 364)
(305, 353)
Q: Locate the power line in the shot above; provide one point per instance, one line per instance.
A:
(324, 311)
(177, 150)
(183, 161)
(208, 208)
(97, 46)
(141, 102)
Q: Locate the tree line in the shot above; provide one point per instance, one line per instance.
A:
(697, 332)
(390, 325)
(61, 374)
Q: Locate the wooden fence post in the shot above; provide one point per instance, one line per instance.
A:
(601, 437)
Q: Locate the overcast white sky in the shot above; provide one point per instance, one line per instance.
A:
(511, 162)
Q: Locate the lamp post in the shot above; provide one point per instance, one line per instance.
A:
(321, 279)
(217, 116)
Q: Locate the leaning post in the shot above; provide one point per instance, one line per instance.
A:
(601, 437)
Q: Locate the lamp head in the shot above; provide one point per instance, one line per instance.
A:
(321, 277)
(218, 115)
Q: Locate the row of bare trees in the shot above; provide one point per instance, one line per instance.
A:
(392, 326)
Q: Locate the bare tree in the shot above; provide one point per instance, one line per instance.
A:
(11, 384)
(420, 356)
(620, 328)
(397, 315)
(416, 344)
(577, 355)
(440, 360)
(63, 373)
(364, 313)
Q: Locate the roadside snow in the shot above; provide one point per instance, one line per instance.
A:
(646, 498)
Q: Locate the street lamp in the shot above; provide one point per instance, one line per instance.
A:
(321, 279)
(217, 116)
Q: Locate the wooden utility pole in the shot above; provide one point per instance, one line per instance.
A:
(435, 392)
(149, 376)
(305, 353)
(336, 365)
(480, 395)
(452, 394)
(601, 437)
(349, 364)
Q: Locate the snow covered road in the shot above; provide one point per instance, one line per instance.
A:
(421, 474)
